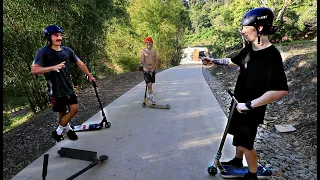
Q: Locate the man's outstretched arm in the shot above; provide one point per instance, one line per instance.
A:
(223, 61)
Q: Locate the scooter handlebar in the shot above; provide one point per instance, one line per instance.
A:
(232, 96)
(230, 93)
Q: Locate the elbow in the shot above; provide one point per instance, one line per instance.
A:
(34, 72)
(283, 93)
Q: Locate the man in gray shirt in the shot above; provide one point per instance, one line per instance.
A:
(53, 61)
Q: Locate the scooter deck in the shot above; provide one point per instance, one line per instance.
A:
(157, 106)
(236, 172)
(78, 154)
(89, 127)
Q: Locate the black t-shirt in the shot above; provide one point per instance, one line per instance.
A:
(58, 83)
(263, 72)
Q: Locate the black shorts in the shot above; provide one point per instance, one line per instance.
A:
(60, 104)
(149, 77)
(244, 131)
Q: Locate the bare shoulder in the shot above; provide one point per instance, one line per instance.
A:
(153, 52)
(143, 50)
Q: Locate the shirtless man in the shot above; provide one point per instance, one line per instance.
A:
(149, 62)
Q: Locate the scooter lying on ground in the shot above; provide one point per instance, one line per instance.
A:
(75, 154)
(81, 155)
(146, 103)
(97, 126)
(228, 171)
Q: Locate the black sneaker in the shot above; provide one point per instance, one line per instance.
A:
(234, 162)
(250, 176)
(57, 137)
(72, 135)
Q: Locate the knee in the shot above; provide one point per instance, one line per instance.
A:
(245, 150)
(251, 152)
(149, 85)
(74, 110)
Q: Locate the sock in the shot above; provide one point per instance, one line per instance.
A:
(60, 129)
(252, 174)
(238, 159)
(68, 127)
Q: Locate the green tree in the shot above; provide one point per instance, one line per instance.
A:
(163, 21)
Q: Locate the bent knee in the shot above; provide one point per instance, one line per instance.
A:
(74, 108)
(244, 149)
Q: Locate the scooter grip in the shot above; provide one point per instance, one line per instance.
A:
(94, 84)
(45, 166)
(233, 98)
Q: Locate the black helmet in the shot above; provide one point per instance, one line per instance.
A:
(51, 29)
(260, 16)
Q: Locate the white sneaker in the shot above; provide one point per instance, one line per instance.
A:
(149, 99)
(153, 101)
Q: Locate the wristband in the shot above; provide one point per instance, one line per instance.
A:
(248, 105)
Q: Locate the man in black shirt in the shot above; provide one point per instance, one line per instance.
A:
(261, 81)
(53, 61)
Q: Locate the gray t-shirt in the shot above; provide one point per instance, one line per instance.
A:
(58, 83)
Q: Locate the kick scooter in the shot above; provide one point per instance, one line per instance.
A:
(75, 154)
(81, 155)
(146, 103)
(228, 171)
(97, 126)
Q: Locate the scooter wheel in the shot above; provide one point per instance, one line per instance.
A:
(108, 124)
(212, 170)
(168, 106)
(103, 158)
(144, 104)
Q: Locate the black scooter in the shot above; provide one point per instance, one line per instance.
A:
(97, 126)
(75, 154)
(228, 171)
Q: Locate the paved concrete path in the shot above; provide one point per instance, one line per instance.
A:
(144, 143)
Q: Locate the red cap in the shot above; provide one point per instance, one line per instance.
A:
(148, 39)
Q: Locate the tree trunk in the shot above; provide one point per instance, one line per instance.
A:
(281, 12)
(265, 3)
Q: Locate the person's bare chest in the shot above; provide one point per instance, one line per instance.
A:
(149, 54)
